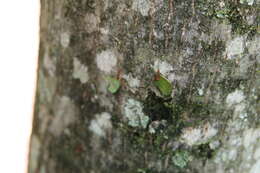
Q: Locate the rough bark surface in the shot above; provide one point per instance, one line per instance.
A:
(147, 86)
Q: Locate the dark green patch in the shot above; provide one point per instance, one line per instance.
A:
(232, 11)
(230, 84)
(203, 151)
(164, 86)
(114, 85)
(158, 108)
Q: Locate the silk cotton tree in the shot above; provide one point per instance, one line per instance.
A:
(147, 86)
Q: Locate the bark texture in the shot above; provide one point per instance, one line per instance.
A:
(147, 86)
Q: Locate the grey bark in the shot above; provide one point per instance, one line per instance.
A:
(207, 51)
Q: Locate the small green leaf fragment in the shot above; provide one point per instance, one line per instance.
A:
(114, 85)
(164, 85)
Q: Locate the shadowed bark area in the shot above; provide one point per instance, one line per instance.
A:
(147, 86)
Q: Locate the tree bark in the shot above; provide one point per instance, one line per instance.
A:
(147, 86)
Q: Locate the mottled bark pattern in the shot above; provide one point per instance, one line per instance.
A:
(208, 50)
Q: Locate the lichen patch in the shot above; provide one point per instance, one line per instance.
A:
(165, 69)
(248, 2)
(256, 167)
(133, 82)
(235, 47)
(101, 124)
(250, 137)
(199, 135)
(80, 71)
(235, 97)
(65, 39)
(134, 112)
(106, 61)
(91, 22)
(64, 115)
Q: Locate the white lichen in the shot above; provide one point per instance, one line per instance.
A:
(104, 36)
(65, 39)
(248, 2)
(244, 64)
(256, 167)
(106, 61)
(214, 144)
(240, 111)
(134, 112)
(235, 98)
(199, 135)
(154, 125)
(191, 136)
(133, 82)
(232, 154)
(200, 91)
(222, 31)
(80, 71)
(142, 6)
(235, 47)
(164, 67)
(250, 137)
(101, 124)
(151, 130)
(91, 22)
(64, 115)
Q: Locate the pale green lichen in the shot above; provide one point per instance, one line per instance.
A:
(134, 113)
(181, 159)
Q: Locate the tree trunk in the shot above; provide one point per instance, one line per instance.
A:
(147, 86)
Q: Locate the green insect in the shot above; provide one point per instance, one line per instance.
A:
(162, 84)
(114, 83)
